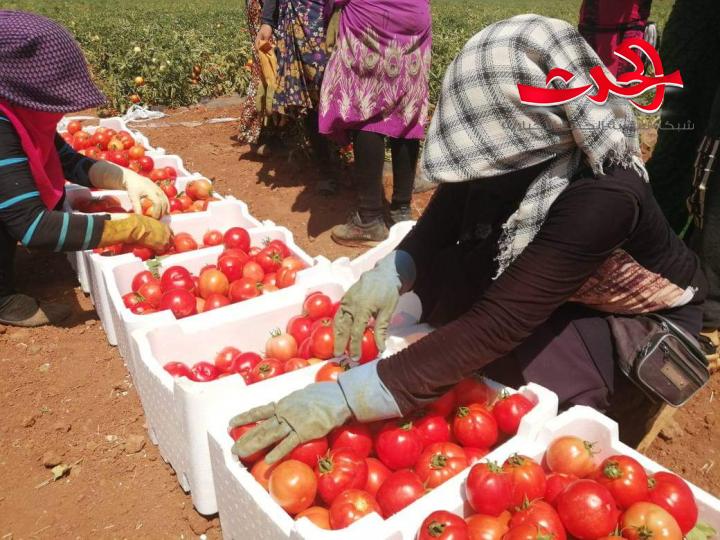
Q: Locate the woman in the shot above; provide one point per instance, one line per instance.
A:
(542, 238)
(376, 86)
(43, 75)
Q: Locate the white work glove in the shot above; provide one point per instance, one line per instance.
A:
(105, 175)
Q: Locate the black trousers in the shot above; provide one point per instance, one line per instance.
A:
(8, 246)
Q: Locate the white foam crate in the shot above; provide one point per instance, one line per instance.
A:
(118, 279)
(367, 260)
(179, 411)
(247, 511)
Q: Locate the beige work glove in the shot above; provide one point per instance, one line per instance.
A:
(105, 175)
(135, 229)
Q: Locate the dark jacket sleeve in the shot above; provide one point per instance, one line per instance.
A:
(75, 166)
(270, 13)
(583, 228)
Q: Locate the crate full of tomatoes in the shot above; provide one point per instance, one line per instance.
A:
(362, 480)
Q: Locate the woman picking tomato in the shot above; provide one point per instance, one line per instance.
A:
(43, 75)
(543, 232)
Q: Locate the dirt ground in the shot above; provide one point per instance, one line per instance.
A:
(68, 399)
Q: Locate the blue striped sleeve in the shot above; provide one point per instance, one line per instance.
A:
(63, 231)
(31, 230)
(88, 233)
(19, 198)
(12, 161)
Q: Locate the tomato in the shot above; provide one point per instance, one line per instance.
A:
(158, 175)
(672, 493)
(528, 531)
(253, 271)
(199, 206)
(488, 489)
(539, 513)
(648, 521)
(213, 281)
(204, 372)
(323, 342)
(213, 238)
(304, 350)
(475, 455)
(281, 346)
(398, 445)
(238, 432)
(318, 515)
(368, 347)
(171, 172)
(199, 304)
(200, 189)
(293, 486)
(185, 201)
(177, 277)
(295, 364)
(292, 263)
(100, 140)
(132, 299)
(355, 436)
(528, 479)
(245, 362)
(179, 301)
(571, 455)
(140, 279)
(136, 152)
(310, 452)
(484, 527)
(475, 426)
(262, 470)
(237, 237)
(243, 289)
(350, 506)
(141, 252)
(625, 478)
(329, 372)
(231, 266)
(270, 281)
(442, 525)
(280, 247)
(74, 126)
(143, 309)
(587, 510)
(286, 277)
(377, 474)
(299, 328)
(267, 369)
(177, 369)
(146, 163)
(269, 260)
(509, 410)
(433, 428)
(317, 306)
(225, 358)
(214, 301)
(184, 242)
(555, 484)
(439, 462)
(175, 206)
(472, 390)
(444, 405)
(339, 470)
(399, 490)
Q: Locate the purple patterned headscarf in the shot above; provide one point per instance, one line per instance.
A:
(42, 67)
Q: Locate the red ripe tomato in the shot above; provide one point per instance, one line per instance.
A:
(483, 527)
(528, 479)
(472, 390)
(100, 139)
(442, 525)
(132, 299)
(304, 349)
(475, 455)
(119, 157)
(231, 266)
(329, 372)
(350, 506)
(281, 346)
(261, 472)
(299, 328)
(175, 206)
(142, 309)
(158, 175)
(571, 455)
(293, 486)
(213, 238)
(136, 152)
(267, 369)
(141, 252)
(169, 189)
(319, 516)
(185, 201)
(177, 277)
(204, 372)
(179, 301)
(625, 478)
(644, 520)
(292, 263)
(444, 405)
(269, 281)
(280, 247)
(587, 510)
(339, 470)
(171, 172)
(322, 342)
(555, 484)
(527, 531)
(399, 490)
(475, 426)
(432, 428)
(74, 126)
(147, 164)
(377, 474)
(140, 279)
(225, 358)
(184, 242)
(238, 432)
(286, 277)
(151, 292)
(253, 271)
(237, 237)
(368, 347)
(488, 489)
(439, 462)
(215, 301)
(672, 493)
(269, 260)
(539, 513)
(398, 445)
(509, 410)
(295, 364)
(200, 189)
(317, 306)
(243, 289)
(355, 436)
(177, 369)
(245, 362)
(213, 281)
(310, 452)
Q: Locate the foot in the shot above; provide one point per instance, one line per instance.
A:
(23, 310)
(403, 213)
(355, 233)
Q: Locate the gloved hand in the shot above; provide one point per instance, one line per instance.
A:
(135, 229)
(376, 294)
(105, 175)
(314, 411)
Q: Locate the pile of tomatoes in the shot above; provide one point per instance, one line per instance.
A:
(574, 496)
(241, 273)
(383, 467)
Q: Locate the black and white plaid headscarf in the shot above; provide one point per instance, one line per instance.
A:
(481, 129)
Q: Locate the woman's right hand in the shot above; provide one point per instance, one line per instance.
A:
(264, 35)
